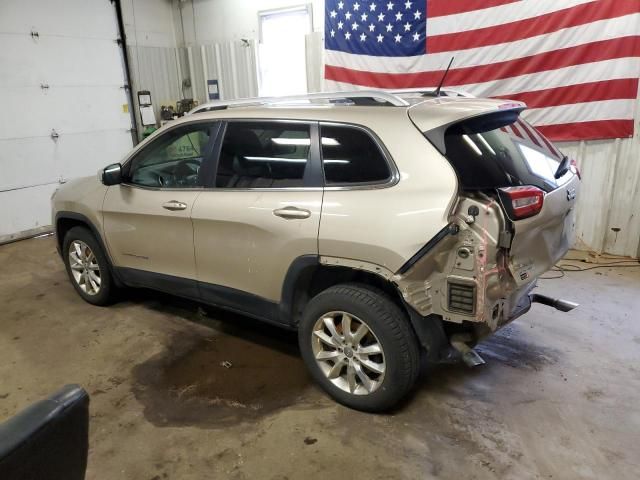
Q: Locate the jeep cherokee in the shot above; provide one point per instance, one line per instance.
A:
(380, 226)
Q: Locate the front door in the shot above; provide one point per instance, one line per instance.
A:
(147, 220)
(262, 214)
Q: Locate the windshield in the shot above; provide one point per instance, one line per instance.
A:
(499, 150)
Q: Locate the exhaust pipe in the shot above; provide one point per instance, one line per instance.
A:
(557, 303)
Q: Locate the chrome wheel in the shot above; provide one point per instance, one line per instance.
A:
(348, 353)
(84, 267)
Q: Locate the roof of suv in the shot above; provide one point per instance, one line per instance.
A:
(362, 107)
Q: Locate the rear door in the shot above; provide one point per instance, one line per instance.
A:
(262, 212)
(498, 152)
(147, 218)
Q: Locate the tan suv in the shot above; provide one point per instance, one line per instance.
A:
(378, 225)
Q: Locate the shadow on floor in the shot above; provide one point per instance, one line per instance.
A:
(243, 370)
(247, 369)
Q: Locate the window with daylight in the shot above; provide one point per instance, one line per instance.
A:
(281, 53)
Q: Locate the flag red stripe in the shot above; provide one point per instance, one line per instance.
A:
(516, 130)
(440, 8)
(565, 57)
(529, 133)
(601, 129)
(532, 27)
(620, 89)
(550, 146)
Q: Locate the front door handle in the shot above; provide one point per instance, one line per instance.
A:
(174, 205)
(292, 212)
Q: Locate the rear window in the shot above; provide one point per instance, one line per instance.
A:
(501, 150)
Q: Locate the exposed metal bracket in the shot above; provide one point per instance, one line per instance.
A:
(34, 34)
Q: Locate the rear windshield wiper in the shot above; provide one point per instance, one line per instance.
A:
(563, 168)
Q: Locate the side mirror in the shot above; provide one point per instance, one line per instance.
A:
(111, 175)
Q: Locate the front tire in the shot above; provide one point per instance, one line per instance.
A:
(87, 267)
(359, 347)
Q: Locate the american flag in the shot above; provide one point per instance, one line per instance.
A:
(575, 63)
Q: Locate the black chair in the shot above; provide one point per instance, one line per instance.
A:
(48, 440)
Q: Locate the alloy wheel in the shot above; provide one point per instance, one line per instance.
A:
(348, 353)
(84, 267)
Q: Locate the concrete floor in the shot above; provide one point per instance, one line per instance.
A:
(558, 398)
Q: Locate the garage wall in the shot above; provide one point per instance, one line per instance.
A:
(608, 211)
(208, 21)
(65, 109)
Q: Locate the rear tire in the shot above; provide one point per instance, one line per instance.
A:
(359, 347)
(87, 267)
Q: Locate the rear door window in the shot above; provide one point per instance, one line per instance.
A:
(264, 155)
(499, 150)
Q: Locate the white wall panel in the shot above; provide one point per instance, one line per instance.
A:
(234, 65)
(609, 196)
(155, 69)
(76, 55)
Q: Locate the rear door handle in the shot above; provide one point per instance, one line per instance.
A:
(174, 205)
(292, 212)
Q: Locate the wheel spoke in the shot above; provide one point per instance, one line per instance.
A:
(326, 339)
(346, 327)
(76, 266)
(366, 382)
(336, 368)
(373, 349)
(351, 377)
(373, 366)
(328, 322)
(95, 278)
(78, 250)
(326, 355)
(360, 333)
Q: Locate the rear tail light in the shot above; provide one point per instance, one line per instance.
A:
(522, 202)
(575, 169)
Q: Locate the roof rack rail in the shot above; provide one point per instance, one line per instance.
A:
(359, 97)
(430, 92)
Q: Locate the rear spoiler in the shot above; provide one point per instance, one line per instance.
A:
(428, 115)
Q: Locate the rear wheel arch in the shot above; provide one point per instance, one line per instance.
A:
(307, 277)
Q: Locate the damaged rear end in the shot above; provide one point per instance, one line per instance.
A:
(512, 219)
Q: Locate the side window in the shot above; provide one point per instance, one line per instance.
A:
(263, 155)
(350, 155)
(173, 160)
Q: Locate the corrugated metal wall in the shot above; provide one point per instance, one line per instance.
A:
(608, 212)
(163, 71)
(155, 69)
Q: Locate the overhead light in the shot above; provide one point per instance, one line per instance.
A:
(472, 144)
(277, 159)
(291, 141)
(330, 142)
(327, 141)
(335, 160)
(486, 144)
